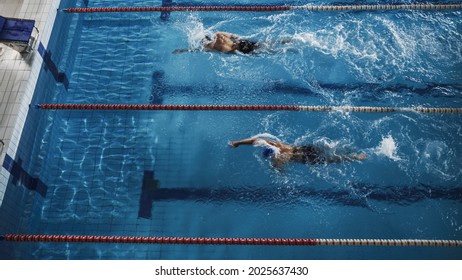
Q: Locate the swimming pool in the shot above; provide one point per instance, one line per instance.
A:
(93, 164)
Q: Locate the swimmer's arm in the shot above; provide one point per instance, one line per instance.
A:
(181, 51)
(185, 50)
(248, 141)
(278, 164)
(190, 51)
(251, 141)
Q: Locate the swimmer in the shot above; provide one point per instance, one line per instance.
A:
(225, 43)
(281, 154)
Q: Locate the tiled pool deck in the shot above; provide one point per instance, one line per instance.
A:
(19, 74)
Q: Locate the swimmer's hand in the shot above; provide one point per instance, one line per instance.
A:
(233, 144)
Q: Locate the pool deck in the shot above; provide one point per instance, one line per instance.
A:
(19, 74)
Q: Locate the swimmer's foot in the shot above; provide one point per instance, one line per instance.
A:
(360, 157)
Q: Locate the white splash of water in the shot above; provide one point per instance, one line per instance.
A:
(388, 148)
(267, 135)
(328, 42)
(262, 143)
(327, 143)
(196, 32)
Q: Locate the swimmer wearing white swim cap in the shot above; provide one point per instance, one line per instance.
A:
(281, 153)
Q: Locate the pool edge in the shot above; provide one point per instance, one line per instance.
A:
(44, 22)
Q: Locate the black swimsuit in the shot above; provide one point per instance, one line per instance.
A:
(308, 155)
(245, 46)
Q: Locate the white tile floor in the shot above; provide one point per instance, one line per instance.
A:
(10, 8)
(18, 75)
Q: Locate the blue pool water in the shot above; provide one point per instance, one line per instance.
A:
(94, 163)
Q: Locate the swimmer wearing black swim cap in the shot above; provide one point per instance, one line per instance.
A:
(230, 43)
(226, 43)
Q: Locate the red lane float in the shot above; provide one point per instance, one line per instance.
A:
(161, 107)
(230, 241)
(158, 107)
(180, 9)
(265, 8)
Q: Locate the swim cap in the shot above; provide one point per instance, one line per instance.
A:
(268, 152)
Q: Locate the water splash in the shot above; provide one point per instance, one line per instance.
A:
(263, 143)
(267, 135)
(195, 31)
(330, 42)
(387, 147)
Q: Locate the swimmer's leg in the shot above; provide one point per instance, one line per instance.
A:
(359, 156)
(284, 41)
(339, 159)
(181, 51)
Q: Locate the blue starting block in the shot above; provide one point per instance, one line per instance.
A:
(17, 33)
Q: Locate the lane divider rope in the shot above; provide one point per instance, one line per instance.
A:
(230, 241)
(160, 107)
(266, 8)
